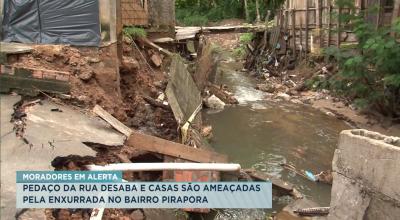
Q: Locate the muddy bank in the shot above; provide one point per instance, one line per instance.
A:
(291, 85)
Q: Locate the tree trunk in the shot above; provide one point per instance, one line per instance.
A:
(258, 17)
(246, 10)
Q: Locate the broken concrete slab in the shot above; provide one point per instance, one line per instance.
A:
(64, 130)
(367, 156)
(366, 176)
(69, 126)
(183, 95)
(14, 48)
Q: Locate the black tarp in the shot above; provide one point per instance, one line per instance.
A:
(74, 22)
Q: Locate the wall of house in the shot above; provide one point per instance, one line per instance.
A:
(135, 12)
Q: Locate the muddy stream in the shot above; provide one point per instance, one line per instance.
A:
(263, 134)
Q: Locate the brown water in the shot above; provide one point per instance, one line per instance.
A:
(263, 134)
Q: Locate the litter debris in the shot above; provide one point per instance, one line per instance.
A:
(317, 211)
(56, 110)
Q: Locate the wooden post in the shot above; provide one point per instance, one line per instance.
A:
(307, 34)
(119, 27)
(329, 23)
(293, 12)
(339, 31)
(318, 20)
(396, 12)
(287, 16)
(301, 41)
(378, 16)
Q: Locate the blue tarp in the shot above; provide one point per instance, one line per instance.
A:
(74, 22)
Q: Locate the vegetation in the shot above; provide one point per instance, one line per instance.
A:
(370, 74)
(244, 39)
(200, 12)
(134, 32)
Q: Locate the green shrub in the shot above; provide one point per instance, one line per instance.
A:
(246, 38)
(134, 32)
(195, 20)
(370, 74)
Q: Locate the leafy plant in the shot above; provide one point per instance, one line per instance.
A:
(370, 74)
(246, 38)
(134, 32)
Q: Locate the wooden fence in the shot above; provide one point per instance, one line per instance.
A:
(313, 24)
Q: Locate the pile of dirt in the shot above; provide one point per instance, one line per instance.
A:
(93, 77)
(140, 78)
(95, 80)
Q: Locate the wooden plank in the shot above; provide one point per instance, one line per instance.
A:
(112, 121)
(161, 146)
(276, 183)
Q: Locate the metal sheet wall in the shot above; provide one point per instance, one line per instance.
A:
(74, 22)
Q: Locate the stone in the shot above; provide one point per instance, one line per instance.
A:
(266, 88)
(156, 59)
(283, 96)
(137, 215)
(129, 64)
(206, 131)
(214, 102)
(86, 76)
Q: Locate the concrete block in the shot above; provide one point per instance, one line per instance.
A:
(366, 176)
(372, 158)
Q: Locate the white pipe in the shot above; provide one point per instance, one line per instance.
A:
(227, 167)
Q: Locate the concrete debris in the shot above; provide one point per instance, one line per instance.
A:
(214, 102)
(366, 177)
